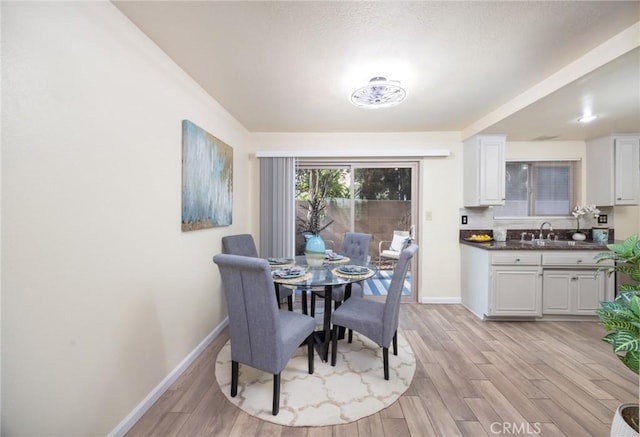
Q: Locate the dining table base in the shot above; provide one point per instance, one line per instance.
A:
(322, 338)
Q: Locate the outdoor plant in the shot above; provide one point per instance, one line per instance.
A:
(315, 186)
(621, 317)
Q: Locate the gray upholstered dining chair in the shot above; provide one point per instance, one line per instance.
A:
(355, 245)
(244, 245)
(261, 335)
(374, 319)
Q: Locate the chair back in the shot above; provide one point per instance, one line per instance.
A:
(394, 293)
(356, 246)
(254, 327)
(241, 244)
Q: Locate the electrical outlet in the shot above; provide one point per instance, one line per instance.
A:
(464, 219)
(602, 218)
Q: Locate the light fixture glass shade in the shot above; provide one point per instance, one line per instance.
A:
(379, 93)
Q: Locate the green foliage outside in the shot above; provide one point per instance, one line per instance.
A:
(383, 184)
(314, 186)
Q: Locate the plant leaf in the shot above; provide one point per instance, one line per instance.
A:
(632, 360)
(626, 341)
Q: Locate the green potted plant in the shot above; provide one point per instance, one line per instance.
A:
(313, 189)
(621, 319)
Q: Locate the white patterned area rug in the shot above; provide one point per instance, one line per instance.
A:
(354, 389)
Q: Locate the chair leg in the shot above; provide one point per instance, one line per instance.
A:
(278, 295)
(350, 335)
(313, 304)
(303, 302)
(234, 378)
(290, 303)
(336, 305)
(395, 343)
(334, 344)
(276, 394)
(385, 362)
(310, 353)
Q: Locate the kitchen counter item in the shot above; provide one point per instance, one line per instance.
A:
(600, 235)
(500, 234)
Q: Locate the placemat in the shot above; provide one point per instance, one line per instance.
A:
(302, 278)
(338, 273)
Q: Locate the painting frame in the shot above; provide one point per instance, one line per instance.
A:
(207, 179)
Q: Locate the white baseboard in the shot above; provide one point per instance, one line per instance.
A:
(441, 300)
(135, 415)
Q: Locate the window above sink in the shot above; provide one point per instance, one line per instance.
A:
(539, 189)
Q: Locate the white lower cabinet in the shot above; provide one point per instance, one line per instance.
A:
(572, 285)
(532, 283)
(577, 292)
(516, 291)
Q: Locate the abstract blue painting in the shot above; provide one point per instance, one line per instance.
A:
(207, 179)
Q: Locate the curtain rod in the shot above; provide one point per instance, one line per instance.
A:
(347, 154)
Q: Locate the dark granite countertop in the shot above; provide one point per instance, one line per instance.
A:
(553, 245)
(514, 240)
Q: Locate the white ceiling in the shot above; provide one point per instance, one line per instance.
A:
(291, 66)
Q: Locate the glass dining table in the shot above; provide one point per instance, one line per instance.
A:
(336, 270)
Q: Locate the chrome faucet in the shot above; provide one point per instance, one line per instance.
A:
(540, 236)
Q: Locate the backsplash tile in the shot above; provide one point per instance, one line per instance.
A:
(481, 221)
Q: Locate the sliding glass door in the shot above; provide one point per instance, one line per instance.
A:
(367, 196)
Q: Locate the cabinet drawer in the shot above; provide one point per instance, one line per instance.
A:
(516, 258)
(574, 259)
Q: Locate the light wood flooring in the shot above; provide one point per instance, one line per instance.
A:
(472, 378)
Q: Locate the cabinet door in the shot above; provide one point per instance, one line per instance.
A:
(516, 291)
(588, 291)
(492, 168)
(573, 292)
(484, 168)
(556, 292)
(627, 170)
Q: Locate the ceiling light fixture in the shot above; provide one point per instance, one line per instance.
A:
(379, 93)
(587, 118)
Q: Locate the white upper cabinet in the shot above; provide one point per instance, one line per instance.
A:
(613, 170)
(484, 167)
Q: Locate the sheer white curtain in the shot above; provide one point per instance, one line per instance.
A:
(277, 207)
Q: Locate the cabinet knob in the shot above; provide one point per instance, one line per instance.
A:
(517, 260)
(579, 261)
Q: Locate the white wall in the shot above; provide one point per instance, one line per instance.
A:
(440, 194)
(103, 295)
(627, 221)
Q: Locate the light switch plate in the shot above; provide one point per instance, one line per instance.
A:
(464, 219)
(602, 218)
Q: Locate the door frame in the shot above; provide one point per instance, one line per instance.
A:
(351, 165)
